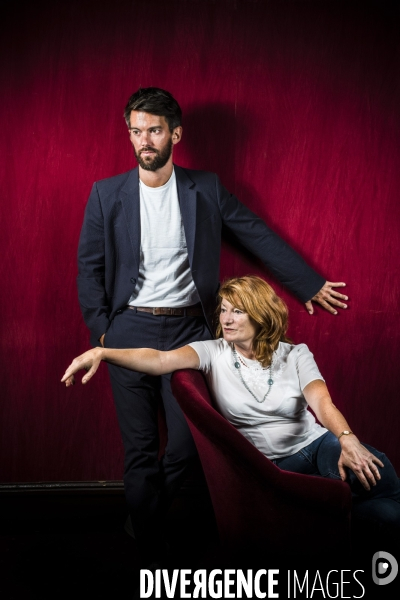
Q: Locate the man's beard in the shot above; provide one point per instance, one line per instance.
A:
(158, 161)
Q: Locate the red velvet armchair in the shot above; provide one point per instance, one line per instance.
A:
(256, 504)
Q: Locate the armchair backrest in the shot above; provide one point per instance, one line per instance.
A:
(254, 501)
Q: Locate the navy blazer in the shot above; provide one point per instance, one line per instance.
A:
(109, 245)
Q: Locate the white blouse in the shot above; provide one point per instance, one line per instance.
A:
(280, 425)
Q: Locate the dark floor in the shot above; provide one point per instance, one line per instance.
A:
(60, 545)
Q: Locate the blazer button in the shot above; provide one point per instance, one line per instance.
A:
(133, 280)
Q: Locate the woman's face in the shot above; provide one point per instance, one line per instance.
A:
(237, 326)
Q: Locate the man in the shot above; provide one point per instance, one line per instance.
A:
(149, 256)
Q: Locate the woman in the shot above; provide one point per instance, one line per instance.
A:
(263, 384)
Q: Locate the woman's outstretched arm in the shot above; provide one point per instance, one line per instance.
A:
(145, 360)
(354, 455)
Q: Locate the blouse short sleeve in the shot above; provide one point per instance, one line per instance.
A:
(306, 366)
(207, 352)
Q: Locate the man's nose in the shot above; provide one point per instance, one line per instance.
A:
(144, 138)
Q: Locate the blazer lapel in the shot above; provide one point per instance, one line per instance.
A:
(130, 199)
(187, 202)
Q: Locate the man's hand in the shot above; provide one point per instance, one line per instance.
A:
(327, 297)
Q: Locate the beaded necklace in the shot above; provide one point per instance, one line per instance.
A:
(237, 362)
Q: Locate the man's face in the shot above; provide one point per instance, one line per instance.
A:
(152, 140)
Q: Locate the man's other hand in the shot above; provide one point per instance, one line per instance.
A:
(328, 298)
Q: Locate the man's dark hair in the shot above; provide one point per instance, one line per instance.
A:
(155, 101)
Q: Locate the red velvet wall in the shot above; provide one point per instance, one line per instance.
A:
(294, 103)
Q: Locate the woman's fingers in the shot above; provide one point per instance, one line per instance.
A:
(88, 361)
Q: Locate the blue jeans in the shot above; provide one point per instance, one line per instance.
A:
(380, 505)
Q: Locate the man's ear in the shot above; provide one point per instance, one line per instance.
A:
(177, 135)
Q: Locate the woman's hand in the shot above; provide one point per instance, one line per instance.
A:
(360, 460)
(353, 455)
(89, 361)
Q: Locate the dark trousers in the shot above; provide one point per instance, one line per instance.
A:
(376, 510)
(150, 484)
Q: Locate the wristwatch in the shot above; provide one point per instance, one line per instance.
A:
(345, 432)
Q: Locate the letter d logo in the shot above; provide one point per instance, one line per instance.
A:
(384, 564)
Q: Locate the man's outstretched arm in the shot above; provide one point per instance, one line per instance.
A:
(278, 256)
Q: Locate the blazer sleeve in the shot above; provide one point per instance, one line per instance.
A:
(91, 269)
(280, 259)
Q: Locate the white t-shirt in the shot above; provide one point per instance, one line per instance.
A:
(279, 426)
(164, 272)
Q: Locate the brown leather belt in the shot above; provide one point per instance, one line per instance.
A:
(187, 311)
